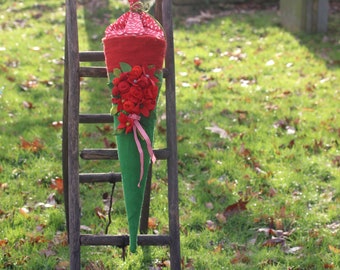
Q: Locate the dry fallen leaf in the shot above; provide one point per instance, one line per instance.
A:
(210, 225)
(34, 146)
(28, 105)
(235, 208)
(100, 212)
(240, 257)
(220, 131)
(24, 211)
(152, 223)
(57, 184)
(3, 242)
(334, 249)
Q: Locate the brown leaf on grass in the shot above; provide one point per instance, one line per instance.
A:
(187, 264)
(244, 152)
(334, 249)
(58, 185)
(34, 146)
(329, 266)
(24, 211)
(100, 213)
(240, 257)
(197, 62)
(28, 105)
(220, 131)
(97, 265)
(210, 225)
(47, 252)
(221, 218)
(3, 242)
(336, 161)
(152, 223)
(62, 265)
(36, 239)
(3, 186)
(57, 124)
(109, 144)
(274, 242)
(31, 82)
(60, 239)
(105, 129)
(235, 208)
(218, 249)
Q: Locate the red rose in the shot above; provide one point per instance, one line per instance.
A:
(143, 82)
(123, 87)
(115, 91)
(135, 72)
(147, 106)
(116, 81)
(151, 92)
(137, 92)
(129, 106)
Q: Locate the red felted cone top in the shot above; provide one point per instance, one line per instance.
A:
(135, 38)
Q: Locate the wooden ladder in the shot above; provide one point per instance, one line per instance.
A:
(72, 118)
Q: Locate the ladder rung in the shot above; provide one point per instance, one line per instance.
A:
(100, 177)
(91, 56)
(98, 72)
(123, 240)
(95, 118)
(102, 154)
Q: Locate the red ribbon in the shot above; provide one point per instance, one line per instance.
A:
(137, 126)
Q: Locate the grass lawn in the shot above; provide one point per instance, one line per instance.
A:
(258, 141)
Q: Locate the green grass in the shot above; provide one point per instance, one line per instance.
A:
(274, 94)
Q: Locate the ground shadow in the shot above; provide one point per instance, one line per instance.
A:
(322, 45)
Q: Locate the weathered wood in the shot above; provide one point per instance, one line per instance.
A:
(100, 72)
(94, 72)
(91, 56)
(112, 154)
(65, 133)
(175, 253)
(95, 118)
(100, 177)
(123, 240)
(73, 98)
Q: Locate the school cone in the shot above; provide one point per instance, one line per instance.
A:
(134, 48)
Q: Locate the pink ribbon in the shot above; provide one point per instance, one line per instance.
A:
(137, 126)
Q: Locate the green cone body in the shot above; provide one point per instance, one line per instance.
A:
(130, 168)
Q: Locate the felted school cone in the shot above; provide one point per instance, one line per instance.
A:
(134, 48)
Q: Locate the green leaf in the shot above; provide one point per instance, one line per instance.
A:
(125, 67)
(116, 73)
(159, 76)
(113, 110)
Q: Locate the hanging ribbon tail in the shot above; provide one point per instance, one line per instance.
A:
(144, 135)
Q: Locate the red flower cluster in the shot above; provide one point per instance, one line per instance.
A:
(134, 92)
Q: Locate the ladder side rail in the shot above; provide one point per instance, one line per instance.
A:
(175, 257)
(73, 131)
(65, 133)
